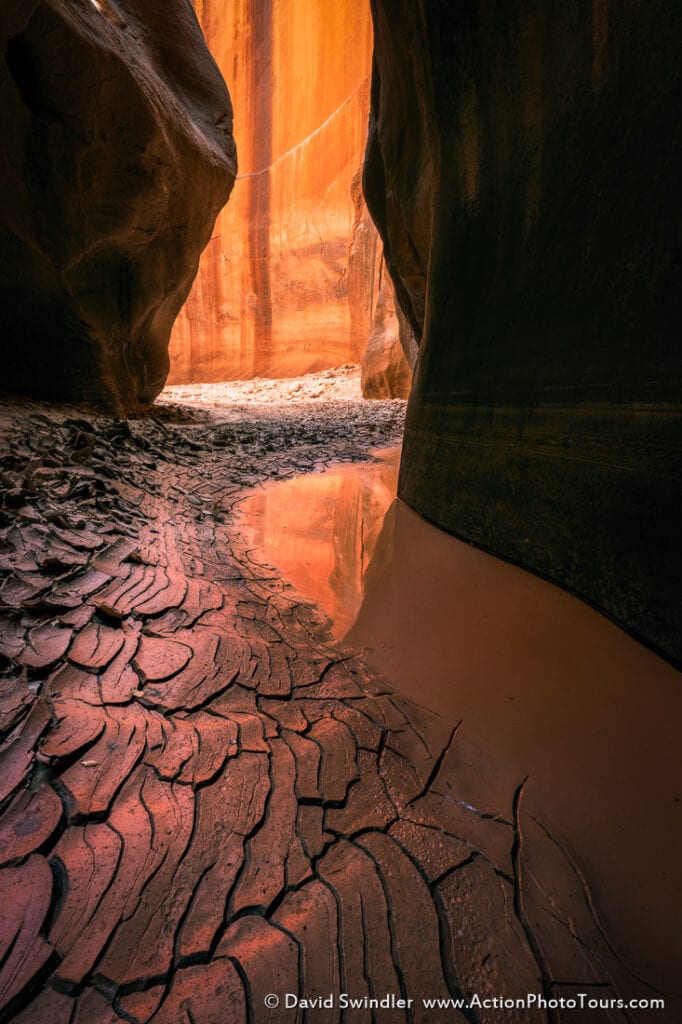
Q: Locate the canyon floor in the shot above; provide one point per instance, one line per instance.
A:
(206, 800)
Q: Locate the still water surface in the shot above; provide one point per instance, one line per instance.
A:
(321, 530)
(546, 689)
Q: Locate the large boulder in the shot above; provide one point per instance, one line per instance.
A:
(523, 170)
(117, 156)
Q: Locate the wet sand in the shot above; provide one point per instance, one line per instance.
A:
(547, 690)
(550, 694)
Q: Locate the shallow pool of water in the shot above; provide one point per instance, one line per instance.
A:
(545, 688)
(321, 529)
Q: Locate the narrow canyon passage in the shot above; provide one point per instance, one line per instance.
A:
(314, 709)
(206, 801)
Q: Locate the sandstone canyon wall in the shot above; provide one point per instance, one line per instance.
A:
(289, 281)
(386, 370)
(379, 331)
(523, 169)
(117, 155)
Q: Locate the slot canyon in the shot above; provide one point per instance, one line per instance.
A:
(339, 500)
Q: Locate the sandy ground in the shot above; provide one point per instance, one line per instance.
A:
(340, 385)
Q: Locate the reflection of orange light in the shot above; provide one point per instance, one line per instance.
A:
(320, 531)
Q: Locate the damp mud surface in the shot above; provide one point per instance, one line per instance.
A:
(205, 797)
(546, 689)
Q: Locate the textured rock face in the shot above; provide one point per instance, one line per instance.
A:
(272, 294)
(386, 372)
(378, 329)
(521, 167)
(117, 156)
(365, 261)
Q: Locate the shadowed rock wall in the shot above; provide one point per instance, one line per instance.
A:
(523, 168)
(378, 329)
(272, 294)
(117, 155)
(385, 369)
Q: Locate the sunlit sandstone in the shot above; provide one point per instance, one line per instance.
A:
(272, 295)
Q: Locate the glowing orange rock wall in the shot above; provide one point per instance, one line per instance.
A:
(271, 297)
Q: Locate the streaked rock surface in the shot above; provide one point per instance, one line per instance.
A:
(117, 155)
(523, 168)
(272, 295)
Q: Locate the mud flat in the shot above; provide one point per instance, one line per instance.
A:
(204, 799)
(550, 694)
(556, 705)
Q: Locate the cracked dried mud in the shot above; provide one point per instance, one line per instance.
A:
(205, 799)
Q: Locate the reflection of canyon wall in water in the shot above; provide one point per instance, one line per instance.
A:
(272, 295)
(321, 530)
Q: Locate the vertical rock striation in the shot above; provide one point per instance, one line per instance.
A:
(381, 339)
(273, 296)
(522, 169)
(117, 156)
(386, 366)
